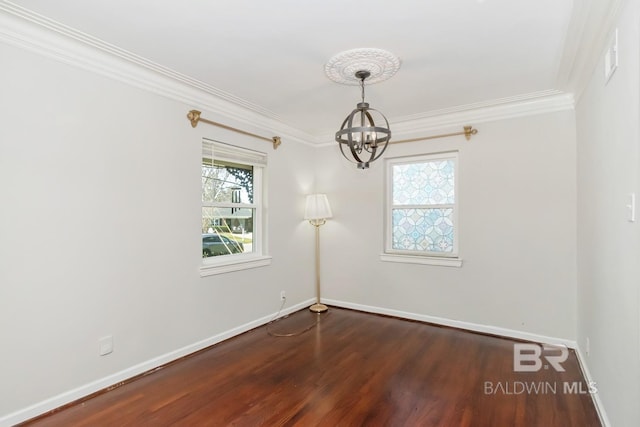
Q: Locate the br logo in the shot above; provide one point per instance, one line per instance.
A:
(529, 357)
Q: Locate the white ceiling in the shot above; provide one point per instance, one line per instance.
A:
(271, 54)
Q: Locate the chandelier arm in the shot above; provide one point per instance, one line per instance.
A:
(384, 147)
(372, 152)
(344, 154)
(386, 139)
(355, 154)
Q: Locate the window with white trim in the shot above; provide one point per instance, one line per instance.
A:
(422, 206)
(232, 206)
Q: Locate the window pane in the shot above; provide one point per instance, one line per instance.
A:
(426, 183)
(426, 230)
(226, 231)
(226, 182)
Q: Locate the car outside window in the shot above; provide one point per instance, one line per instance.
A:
(231, 201)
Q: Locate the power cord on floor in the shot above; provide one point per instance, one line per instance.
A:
(276, 318)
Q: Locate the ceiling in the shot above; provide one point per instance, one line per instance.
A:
(270, 55)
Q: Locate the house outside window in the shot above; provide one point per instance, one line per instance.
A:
(232, 207)
(421, 218)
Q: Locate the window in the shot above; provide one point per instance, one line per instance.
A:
(232, 208)
(422, 210)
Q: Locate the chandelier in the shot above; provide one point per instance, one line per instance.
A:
(365, 132)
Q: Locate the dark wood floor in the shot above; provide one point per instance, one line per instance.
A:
(352, 369)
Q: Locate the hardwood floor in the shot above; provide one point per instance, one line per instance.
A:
(351, 369)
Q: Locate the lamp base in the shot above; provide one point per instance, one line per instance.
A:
(318, 308)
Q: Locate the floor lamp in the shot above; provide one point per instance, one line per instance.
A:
(317, 211)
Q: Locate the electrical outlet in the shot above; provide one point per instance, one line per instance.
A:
(588, 346)
(283, 295)
(106, 345)
(631, 216)
(611, 58)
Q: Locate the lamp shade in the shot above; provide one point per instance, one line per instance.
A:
(317, 207)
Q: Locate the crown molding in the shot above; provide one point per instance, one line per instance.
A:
(25, 29)
(498, 109)
(36, 33)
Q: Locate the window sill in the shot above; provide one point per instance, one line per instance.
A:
(413, 259)
(227, 266)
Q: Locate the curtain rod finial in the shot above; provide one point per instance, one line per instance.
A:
(276, 142)
(468, 131)
(194, 117)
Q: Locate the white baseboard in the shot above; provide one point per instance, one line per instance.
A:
(597, 402)
(486, 329)
(95, 386)
(87, 389)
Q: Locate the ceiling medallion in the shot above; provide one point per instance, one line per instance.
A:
(380, 64)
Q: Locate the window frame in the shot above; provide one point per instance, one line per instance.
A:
(217, 150)
(450, 259)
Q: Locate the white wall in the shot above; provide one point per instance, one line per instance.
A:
(609, 245)
(517, 231)
(99, 183)
(99, 230)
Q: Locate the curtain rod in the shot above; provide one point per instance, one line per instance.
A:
(467, 132)
(194, 118)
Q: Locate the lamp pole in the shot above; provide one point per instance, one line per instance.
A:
(317, 210)
(318, 307)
